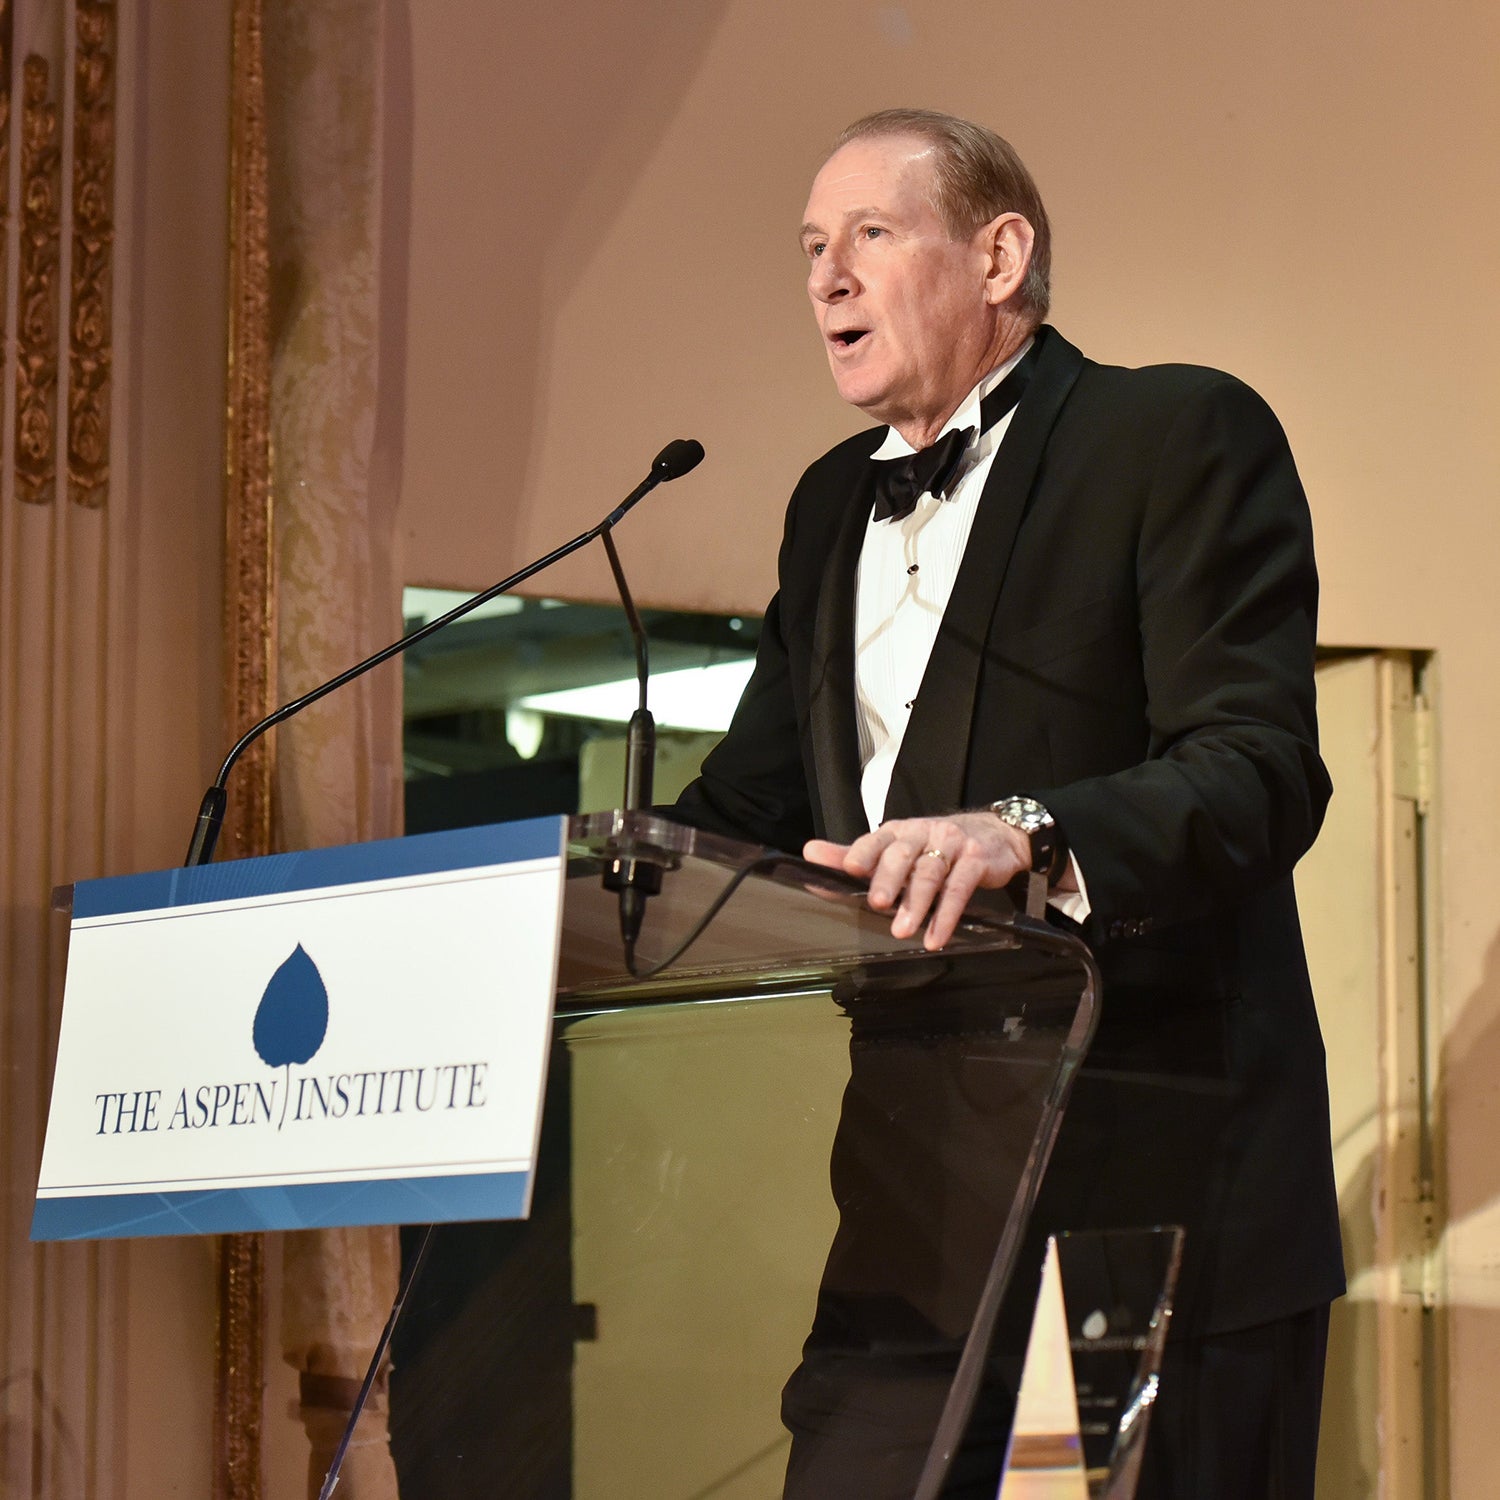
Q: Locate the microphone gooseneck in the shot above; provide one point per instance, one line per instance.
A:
(675, 460)
(637, 879)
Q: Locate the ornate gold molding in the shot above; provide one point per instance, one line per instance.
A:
(90, 344)
(36, 330)
(7, 32)
(241, 1368)
(250, 577)
(250, 643)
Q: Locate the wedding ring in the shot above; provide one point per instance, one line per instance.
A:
(938, 854)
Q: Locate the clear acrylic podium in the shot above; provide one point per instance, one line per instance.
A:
(786, 1170)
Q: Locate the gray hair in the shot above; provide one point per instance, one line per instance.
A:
(978, 176)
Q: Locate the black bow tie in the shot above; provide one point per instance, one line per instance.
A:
(901, 482)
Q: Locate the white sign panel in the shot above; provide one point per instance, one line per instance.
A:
(344, 1036)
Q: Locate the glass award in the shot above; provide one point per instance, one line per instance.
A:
(1093, 1365)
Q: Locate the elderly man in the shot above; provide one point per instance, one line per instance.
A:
(1060, 615)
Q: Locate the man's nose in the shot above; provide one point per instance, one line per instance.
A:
(830, 279)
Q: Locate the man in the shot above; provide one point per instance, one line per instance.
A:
(1079, 634)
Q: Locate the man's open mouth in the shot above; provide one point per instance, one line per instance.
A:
(849, 337)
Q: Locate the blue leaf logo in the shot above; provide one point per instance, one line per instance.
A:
(292, 1017)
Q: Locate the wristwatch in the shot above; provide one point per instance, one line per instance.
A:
(1049, 850)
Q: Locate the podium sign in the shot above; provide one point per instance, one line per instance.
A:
(343, 1036)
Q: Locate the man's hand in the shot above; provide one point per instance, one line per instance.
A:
(928, 868)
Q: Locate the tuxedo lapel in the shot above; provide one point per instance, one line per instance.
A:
(929, 773)
(831, 717)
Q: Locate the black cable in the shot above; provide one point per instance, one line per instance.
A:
(761, 861)
(331, 1479)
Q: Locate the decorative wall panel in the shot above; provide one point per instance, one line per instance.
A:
(7, 52)
(61, 1316)
(90, 355)
(334, 309)
(37, 333)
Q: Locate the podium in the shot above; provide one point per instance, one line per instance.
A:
(780, 1238)
(782, 1192)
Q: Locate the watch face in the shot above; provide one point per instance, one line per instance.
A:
(1028, 815)
(1023, 813)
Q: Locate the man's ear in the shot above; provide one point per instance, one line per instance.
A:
(1006, 242)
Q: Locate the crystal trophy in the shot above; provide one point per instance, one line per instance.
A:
(1093, 1365)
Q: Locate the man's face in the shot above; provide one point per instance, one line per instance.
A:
(902, 307)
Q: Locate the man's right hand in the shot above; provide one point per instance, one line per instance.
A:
(927, 869)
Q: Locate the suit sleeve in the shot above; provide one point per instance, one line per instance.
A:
(1232, 790)
(752, 784)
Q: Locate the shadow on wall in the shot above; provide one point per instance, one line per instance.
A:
(1468, 1072)
(27, 1414)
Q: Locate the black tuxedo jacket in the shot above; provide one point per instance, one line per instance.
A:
(1130, 640)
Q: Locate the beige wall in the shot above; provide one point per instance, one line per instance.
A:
(604, 206)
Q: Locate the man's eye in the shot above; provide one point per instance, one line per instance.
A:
(873, 231)
(815, 249)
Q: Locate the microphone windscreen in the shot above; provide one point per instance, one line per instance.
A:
(677, 458)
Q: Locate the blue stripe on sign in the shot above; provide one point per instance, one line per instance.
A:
(413, 1200)
(383, 859)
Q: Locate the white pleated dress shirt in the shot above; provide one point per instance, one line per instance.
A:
(907, 569)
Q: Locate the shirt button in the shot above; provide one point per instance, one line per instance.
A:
(911, 570)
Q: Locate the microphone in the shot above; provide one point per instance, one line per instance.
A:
(675, 460)
(679, 457)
